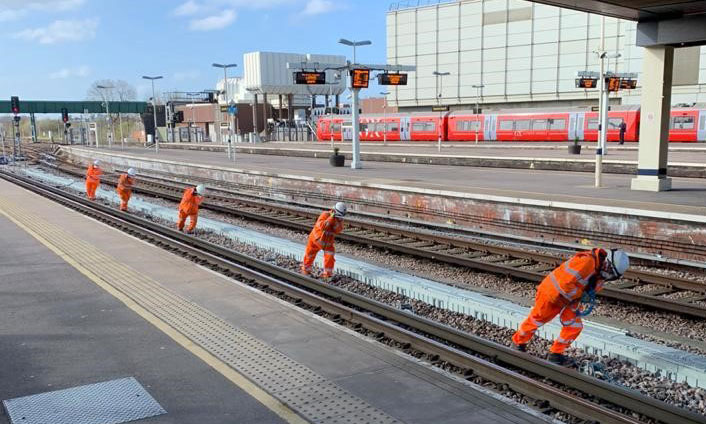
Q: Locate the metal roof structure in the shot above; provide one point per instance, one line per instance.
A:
(52, 106)
(634, 10)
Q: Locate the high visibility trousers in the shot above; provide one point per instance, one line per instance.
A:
(91, 187)
(124, 198)
(548, 305)
(182, 221)
(312, 249)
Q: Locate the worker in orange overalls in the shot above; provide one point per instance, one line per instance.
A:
(321, 237)
(189, 207)
(93, 179)
(561, 293)
(124, 189)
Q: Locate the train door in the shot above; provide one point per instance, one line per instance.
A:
(701, 132)
(347, 130)
(580, 117)
(573, 117)
(489, 127)
(404, 128)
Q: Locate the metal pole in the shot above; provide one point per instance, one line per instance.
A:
(477, 124)
(601, 107)
(384, 121)
(154, 115)
(110, 124)
(355, 163)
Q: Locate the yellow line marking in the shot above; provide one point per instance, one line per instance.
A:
(279, 408)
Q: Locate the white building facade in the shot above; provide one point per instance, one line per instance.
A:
(524, 54)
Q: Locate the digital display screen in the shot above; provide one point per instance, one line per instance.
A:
(360, 78)
(392, 79)
(628, 84)
(613, 83)
(310, 78)
(586, 82)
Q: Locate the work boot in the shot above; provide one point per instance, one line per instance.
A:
(304, 271)
(326, 275)
(521, 347)
(562, 360)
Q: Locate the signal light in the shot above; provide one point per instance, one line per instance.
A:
(15, 104)
(64, 115)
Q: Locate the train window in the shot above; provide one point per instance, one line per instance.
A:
(392, 127)
(364, 126)
(557, 124)
(336, 127)
(522, 125)
(506, 125)
(380, 127)
(614, 123)
(592, 124)
(539, 124)
(683, 122)
(418, 126)
(702, 123)
(467, 125)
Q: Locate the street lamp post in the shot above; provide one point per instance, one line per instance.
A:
(154, 111)
(225, 99)
(355, 163)
(107, 111)
(440, 82)
(478, 88)
(384, 117)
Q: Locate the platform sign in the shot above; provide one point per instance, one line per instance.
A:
(586, 82)
(628, 84)
(360, 78)
(232, 110)
(613, 83)
(310, 78)
(439, 108)
(392, 79)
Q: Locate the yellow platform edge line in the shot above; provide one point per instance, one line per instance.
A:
(271, 403)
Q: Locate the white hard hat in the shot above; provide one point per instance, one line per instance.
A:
(96, 162)
(340, 209)
(619, 260)
(200, 189)
(131, 172)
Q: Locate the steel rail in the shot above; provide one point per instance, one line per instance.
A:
(358, 232)
(302, 287)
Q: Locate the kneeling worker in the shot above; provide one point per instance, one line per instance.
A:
(189, 206)
(124, 189)
(321, 237)
(93, 179)
(561, 293)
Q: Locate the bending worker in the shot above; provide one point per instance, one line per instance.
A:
(321, 237)
(93, 179)
(561, 293)
(189, 207)
(124, 189)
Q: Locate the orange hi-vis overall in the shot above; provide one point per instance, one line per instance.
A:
(322, 238)
(559, 294)
(189, 207)
(124, 190)
(93, 180)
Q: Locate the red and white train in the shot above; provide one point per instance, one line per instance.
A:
(686, 124)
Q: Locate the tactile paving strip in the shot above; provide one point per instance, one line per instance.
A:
(306, 392)
(111, 402)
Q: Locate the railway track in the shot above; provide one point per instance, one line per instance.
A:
(556, 388)
(501, 260)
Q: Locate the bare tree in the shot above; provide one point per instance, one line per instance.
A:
(118, 90)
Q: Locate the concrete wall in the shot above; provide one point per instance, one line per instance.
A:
(521, 51)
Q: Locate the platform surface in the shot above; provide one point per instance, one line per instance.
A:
(72, 292)
(688, 194)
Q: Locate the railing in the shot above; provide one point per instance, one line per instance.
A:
(410, 4)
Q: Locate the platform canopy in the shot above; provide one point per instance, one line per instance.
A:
(55, 106)
(675, 23)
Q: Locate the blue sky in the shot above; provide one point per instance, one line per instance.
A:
(54, 49)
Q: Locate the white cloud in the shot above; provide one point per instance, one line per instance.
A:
(81, 71)
(16, 9)
(317, 7)
(61, 31)
(188, 8)
(213, 22)
(186, 75)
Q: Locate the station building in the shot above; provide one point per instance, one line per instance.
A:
(524, 54)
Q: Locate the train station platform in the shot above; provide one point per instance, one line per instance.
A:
(556, 206)
(685, 160)
(84, 303)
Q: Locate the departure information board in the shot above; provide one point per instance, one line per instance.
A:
(392, 79)
(586, 82)
(360, 78)
(310, 78)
